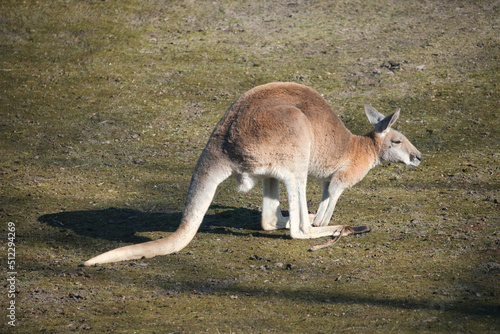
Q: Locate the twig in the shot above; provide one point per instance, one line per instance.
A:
(328, 243)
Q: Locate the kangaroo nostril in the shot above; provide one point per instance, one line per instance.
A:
(417, 157)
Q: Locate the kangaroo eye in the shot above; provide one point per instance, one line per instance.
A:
(396, 142)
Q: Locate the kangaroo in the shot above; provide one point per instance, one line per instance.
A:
(281, 132)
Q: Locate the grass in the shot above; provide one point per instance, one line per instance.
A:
(106, 106)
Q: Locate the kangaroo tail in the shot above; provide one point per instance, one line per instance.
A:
(206, 177)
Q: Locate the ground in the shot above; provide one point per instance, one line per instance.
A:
(105, 107)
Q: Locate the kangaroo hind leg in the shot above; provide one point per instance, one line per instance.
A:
(300, 226)
(272, 218)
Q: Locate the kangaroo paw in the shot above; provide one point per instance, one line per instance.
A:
(359, 229)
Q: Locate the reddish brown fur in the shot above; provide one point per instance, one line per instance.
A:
(281, 132)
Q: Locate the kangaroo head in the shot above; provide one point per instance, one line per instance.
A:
(395, 146)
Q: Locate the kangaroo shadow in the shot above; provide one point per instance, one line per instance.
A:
(121, 224)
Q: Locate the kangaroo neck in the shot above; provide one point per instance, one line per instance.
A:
(365, 149)
(361, 156)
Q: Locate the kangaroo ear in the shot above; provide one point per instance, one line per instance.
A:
(387, 122)
(373, 115)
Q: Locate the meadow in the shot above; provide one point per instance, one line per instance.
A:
(105, 107)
